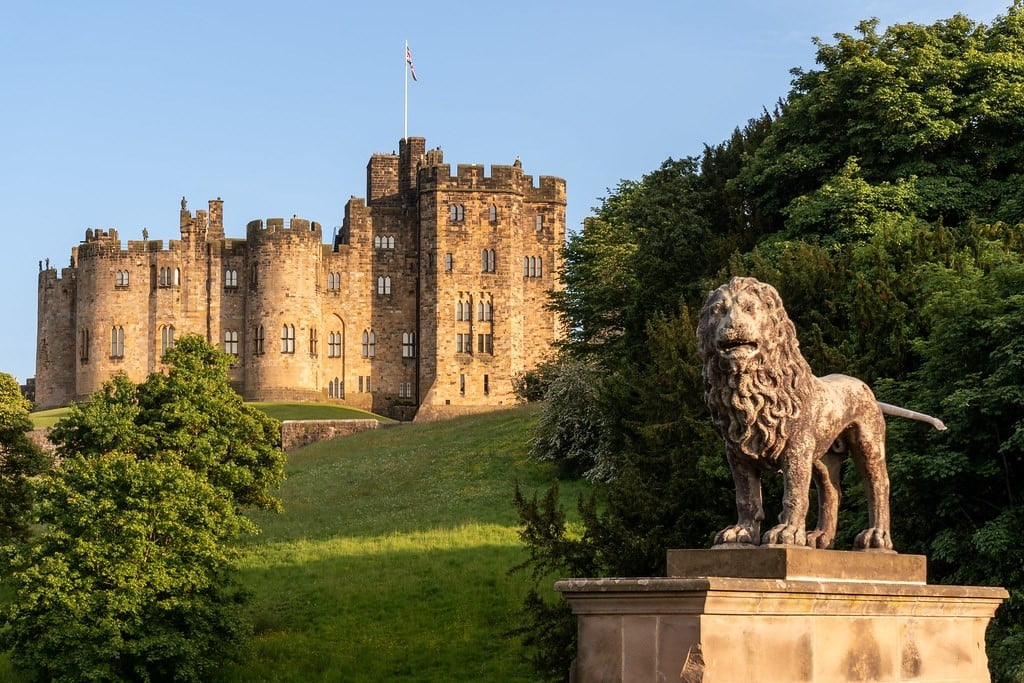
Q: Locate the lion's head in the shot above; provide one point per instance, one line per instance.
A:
(754, 375)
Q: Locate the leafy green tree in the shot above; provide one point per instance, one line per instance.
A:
(132, 577)
(190, 413)
(20, 459)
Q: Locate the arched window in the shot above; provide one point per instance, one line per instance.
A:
(376, 242)
(121, 279)
(369, 344)
(334, 345)
(408, 345)
(491, 261)
(483, 260)
(313, 341)
(456, 212)
(391, 242)
(117, 342)
(449, 262)
(83, 345)
(166, 339)
(526, 266)
(492, 213)
(488, 311)
(288, 339)
(335, 388)
(230, 279)
(260, 337)
(480, 310)
(177, 277)
(384, 284)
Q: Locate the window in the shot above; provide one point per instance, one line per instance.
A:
(121, 279)
(464, 342)
(117, 342)
(83, 345)
(364, 384)
(230, 279)
(492, 213)
(312, 341)
(288, 339)
(333, 282)
(376, 242)
(254, 276)
(533, 266)
(459, 310)
(166, 338)
(369, 344)
(488, 311)
(177, 277)
(449, 262)
(408, 345)
(360, 384)
(384, 242)
(487, 262)
(485, 343)
(526, 266)
(334, 345)
(456, 212)
(384, 284)
(539, 222)
(260, 337)
(484, 311)
(487, 385)
(540, 266)
(231, 342)
(170, 277)
(405, 390)
(462, 384)
(336, 388)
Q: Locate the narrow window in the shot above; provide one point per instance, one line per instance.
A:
(260, 338)
(83, 351)
(360, 384)
(334, 345)
(376, 242)
(117, 342)
(373, 344)
(526, 266)
(488, 311)
(456, 212)
(231, 342)
(462, 384)
(492, 213)
(177, 277)
(449, 262)
(491, 261)
(487, 385)
(166, 339)
(483, 260)
(539, 222)
(480, 310)
(408, 345)
(288, 339)
(390, 242)
(254, 274)
(230, 279)
(367, 384)
(312, 341)
(540, 266)
(384, 284)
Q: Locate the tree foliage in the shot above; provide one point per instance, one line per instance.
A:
(883, 199)
(20, 459)
(131, 578)
(189, 413)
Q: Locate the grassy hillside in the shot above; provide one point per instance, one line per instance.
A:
(390, 560)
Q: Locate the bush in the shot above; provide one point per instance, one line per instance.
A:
(131, 578)
(20, 459)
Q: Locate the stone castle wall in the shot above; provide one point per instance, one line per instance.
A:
(371, 319)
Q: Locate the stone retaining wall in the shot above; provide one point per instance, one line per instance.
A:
(299, 433)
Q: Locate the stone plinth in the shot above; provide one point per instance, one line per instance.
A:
(776, 623)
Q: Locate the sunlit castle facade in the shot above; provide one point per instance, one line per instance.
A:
(427, 301)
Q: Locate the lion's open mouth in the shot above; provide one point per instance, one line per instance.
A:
(737, 347)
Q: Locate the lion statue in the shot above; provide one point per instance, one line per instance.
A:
(774, 414)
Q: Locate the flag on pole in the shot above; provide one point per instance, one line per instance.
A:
(408, 60)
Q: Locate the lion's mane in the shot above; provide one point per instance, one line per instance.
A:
(752, 408)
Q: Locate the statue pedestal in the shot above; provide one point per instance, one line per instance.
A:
(781, 614)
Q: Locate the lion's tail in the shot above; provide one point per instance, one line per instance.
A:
(896, 411)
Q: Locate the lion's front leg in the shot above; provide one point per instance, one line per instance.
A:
(747, 478)
(792, 526)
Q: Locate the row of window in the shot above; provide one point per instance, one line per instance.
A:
(533, 266)
(484, 310)
(486, 387)
(464, 343)
(457, 213)
(117, 341)
(384, 242)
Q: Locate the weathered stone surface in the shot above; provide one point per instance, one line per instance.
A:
(719, 629)
(775, 415)
(792, 563)
(299, 433)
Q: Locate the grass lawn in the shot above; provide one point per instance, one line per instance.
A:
(390, 560)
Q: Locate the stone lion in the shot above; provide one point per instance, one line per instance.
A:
(775, 415)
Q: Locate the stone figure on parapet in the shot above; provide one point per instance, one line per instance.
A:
(184, 204)
(775, 415)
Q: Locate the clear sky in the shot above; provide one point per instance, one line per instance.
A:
(110, 111)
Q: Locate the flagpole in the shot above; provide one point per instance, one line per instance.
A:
(405, 69)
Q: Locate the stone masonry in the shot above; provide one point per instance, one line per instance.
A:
(428, 299)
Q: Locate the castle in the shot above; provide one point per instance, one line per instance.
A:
(428, 299)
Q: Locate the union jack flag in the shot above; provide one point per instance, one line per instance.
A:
(408, 60)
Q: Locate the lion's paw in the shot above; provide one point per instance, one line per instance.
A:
(785, 534)
(737, 533)
(873, 539)
(820, 539)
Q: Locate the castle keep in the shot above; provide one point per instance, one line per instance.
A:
(426, 302)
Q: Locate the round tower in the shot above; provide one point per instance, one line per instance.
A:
(284, 330)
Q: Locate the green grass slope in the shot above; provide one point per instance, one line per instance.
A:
(390, 560)
(279, 410)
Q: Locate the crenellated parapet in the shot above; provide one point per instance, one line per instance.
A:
(502, 178)
(277, 229)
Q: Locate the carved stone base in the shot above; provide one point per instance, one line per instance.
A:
(781, 625)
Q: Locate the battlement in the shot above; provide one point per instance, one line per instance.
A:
(502, 178)
(273, 228)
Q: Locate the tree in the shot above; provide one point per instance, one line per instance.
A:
(20, 459)
(191, 414)
(131, 578)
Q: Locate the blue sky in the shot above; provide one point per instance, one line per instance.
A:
(111, 111)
